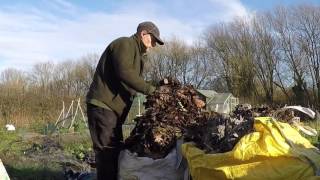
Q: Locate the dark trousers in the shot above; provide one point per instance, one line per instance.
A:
(106, 134)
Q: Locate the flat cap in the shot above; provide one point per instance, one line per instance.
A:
(151, 28)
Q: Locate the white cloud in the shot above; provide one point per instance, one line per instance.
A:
(231, 8)
(33, 35)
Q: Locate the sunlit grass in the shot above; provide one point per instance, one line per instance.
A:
(315, 124)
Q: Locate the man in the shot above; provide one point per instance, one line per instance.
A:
(117, 78)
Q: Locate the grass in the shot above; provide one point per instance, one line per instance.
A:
(13, 148)
(29, 169)
(314, 139)
(78, 149)
(11, 143)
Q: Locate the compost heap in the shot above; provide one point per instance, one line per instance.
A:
(174, 111)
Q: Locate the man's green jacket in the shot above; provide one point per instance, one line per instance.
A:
(118, 75)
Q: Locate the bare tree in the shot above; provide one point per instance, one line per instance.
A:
(82, 74)
(264, 55)
(13, 78)
(232, 45)
(73, 77)
(190, 64)
(172, 60)
(13, 89)
(41, 76)
(307, 28)
(203, 70)
(283, 23)
(62, 83)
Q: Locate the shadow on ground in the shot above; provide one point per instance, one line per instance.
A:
(33, 173)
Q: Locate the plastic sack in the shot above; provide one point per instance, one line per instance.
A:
(3, 172)
(132, 167)
(274, 151)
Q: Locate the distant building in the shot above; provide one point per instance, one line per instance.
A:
(219, 102)
(137, 108)
(207, 95)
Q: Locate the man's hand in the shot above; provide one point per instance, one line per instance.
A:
(198, 102)
(165, 81)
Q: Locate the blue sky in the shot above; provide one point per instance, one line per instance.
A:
(34, 31)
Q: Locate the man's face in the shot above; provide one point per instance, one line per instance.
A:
(148, 40)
